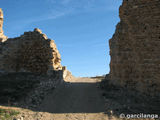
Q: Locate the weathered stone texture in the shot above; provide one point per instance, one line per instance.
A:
(2, 36)
(67, 75)
(31, 52)
(135, 47)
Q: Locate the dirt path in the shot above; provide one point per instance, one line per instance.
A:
(79, 99)
(82, 99)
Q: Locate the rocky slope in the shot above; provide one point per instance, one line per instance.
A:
(27, 90)
(134, 48)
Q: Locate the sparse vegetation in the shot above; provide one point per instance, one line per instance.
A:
(7, 114)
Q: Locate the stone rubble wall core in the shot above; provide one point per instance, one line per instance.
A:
(135, 47)
(2, 36)
(31, 52)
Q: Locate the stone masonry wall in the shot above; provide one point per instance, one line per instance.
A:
(2, 36)
(135, 47)
(31, 52)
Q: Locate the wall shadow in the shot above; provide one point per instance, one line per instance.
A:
(74, 98)
(65, 98)
(128, 101)
(78, 97)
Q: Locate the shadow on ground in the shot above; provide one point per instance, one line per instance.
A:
(84, 97)
(128, 101)
(74, 98)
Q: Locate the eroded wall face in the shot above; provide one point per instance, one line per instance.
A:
(31, 52)
(135, 47)
(2, 36)
(1, 21)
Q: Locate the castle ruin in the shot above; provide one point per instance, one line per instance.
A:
(2, 36)
(135, 47)
(31, 52)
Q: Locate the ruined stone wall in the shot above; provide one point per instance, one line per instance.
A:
(1, 21)
(2, 36)
(31, 52)
(135, 47)
(67, 75)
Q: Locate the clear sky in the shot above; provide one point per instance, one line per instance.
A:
(81, 29)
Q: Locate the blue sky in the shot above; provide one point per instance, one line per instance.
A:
(81, 29)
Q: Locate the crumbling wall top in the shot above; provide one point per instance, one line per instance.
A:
(1, 13)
